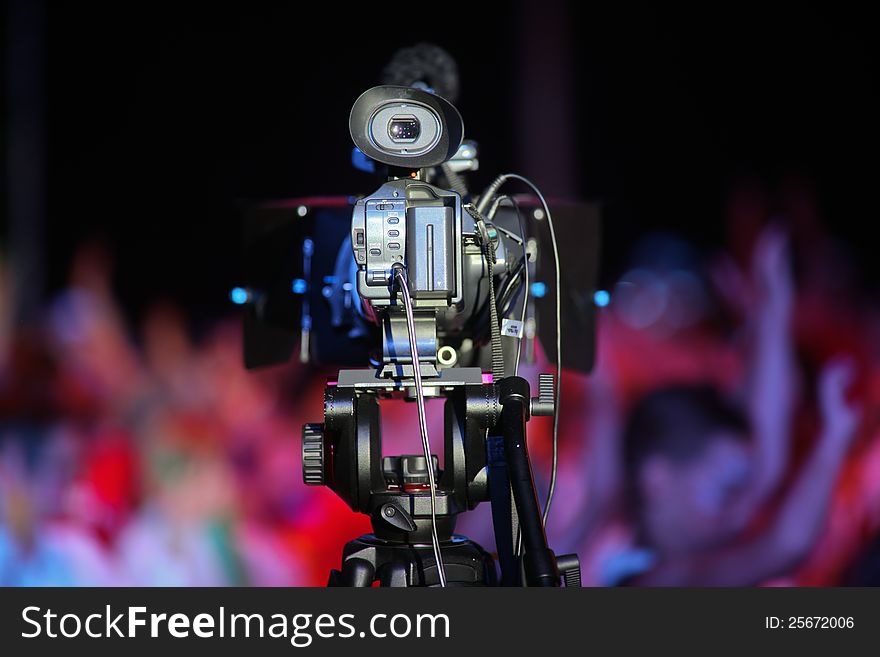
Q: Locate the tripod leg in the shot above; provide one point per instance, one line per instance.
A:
(540, 564)
(355, 572)
(393, 575)
(503, 511)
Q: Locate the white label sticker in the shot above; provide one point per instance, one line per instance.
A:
(512, 328)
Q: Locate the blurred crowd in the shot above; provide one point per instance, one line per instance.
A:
(729, 434)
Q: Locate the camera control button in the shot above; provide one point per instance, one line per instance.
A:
(375, 252)
(393, 233)
(394, 245)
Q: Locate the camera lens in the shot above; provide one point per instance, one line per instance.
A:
(404, 128)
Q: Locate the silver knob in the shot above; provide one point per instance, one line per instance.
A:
(545, 402)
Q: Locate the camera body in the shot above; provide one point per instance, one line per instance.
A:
(424, 228)
(414, 224)
(410, 223)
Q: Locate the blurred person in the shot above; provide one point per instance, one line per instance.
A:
(243, 401)
(634, 360)
(104, 487)
(99, 370)
(183, 533)
(770, 390)
(170, 359)
(855, 509)
(86, 482)
(303, 529)
(44, 538)
(832, 315)
(271, 549)
(29, 555)
(690, 463)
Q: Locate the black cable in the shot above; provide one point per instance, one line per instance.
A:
(400, 275)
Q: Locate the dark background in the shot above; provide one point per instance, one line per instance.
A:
(159, 121)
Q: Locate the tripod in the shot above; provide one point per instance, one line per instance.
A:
(485, 458)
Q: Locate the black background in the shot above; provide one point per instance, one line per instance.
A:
(162, 119)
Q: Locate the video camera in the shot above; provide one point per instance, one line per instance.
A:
(432, 290)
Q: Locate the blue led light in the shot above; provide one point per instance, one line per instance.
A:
(239, 296)
(539, 289)
(299, 286)
(601, 298)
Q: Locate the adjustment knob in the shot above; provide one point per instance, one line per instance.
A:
(313, 454)
(545, 402)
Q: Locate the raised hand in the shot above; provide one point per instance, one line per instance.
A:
(840, 417)
(771, 273)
